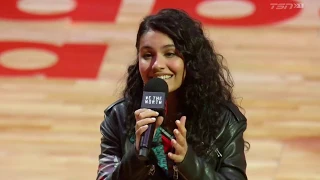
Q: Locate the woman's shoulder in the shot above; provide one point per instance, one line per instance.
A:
(118, 105)
(233, 120)
(233, 111)
(115, 114)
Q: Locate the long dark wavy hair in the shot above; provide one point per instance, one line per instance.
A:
(207, 84)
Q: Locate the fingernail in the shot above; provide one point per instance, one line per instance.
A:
(157, 113)
(176, 131)
(178, 121)
(153, 119)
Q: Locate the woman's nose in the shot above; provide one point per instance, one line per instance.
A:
(159, 63)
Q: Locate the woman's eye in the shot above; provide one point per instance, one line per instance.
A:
(169, 54)
(147, 56)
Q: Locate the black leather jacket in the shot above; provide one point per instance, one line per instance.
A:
(118, 158)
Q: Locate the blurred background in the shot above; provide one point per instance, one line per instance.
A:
(62, 62)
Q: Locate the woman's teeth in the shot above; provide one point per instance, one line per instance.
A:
(165, 76)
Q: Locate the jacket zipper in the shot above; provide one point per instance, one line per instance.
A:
(152, 170)
(218, 153)
(175, 172)
(219, 158)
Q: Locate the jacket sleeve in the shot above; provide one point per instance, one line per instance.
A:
(113, 164)
(232, 163)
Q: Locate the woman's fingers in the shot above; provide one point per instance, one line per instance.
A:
(146, 114)
(180, 139)
(138, 112)
(141, 129)
(181, 126)
(159, 121)
(145, 121)
(144, 117)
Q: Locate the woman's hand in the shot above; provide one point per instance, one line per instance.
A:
(180, 143)
(143, 118)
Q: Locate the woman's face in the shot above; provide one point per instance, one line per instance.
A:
(158, 57)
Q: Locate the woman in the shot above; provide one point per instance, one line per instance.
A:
(202, 134)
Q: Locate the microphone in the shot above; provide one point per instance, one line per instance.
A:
(154, 97)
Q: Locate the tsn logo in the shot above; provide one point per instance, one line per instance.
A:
(286, 5)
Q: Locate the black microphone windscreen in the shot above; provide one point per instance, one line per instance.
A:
(156, 85)
(155, 94)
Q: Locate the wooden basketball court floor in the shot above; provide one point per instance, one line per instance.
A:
(49, 126)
